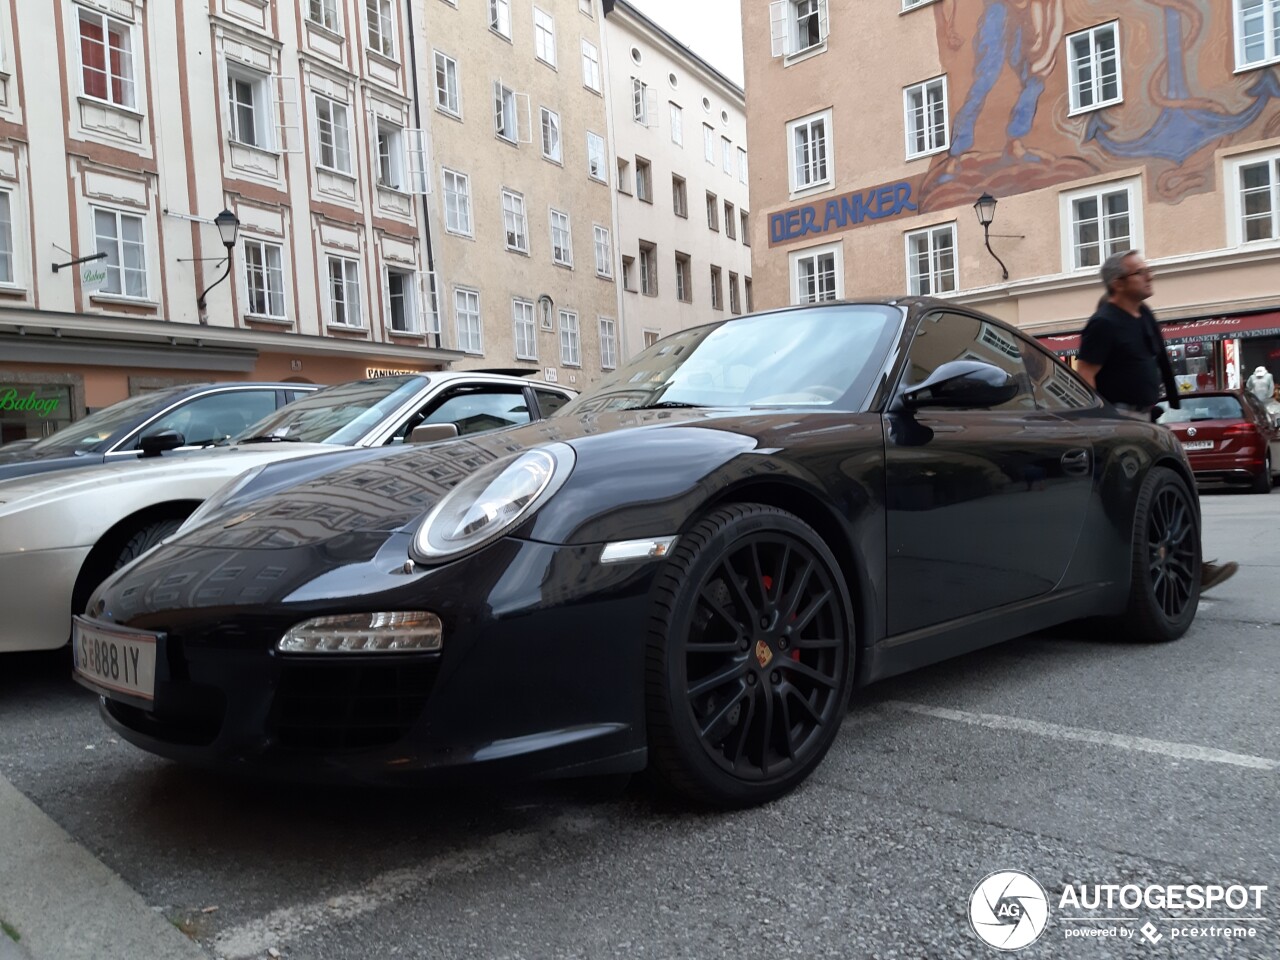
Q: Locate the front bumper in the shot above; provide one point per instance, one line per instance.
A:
(541, 674)
(36, 587)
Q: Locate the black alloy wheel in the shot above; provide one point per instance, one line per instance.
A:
(749, 661)
(1165, 590)
(1262, 482)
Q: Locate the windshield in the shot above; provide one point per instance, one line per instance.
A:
(1194, 408)
(339, 415)
(812, 357)
(88, 434)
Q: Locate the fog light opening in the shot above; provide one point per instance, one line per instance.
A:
(404, 631)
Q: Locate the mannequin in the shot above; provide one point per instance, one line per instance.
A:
(1261, 384)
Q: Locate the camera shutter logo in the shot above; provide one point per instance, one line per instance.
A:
(1009, 910)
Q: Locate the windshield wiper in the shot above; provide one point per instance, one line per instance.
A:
(271, 439)
(670, 405)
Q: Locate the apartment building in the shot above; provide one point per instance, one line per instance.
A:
(1094, 126)
(522, 221)
(127, 128)
(680, 176)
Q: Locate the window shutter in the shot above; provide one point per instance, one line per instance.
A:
(287, 113)
(824, 23)
(778, 26)
(417, 164)
(497, 107)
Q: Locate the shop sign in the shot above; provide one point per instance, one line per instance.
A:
(10, 399)
(372, 373)
(845, 212)
(92, 276)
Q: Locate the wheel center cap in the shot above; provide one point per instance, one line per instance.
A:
(764, 656)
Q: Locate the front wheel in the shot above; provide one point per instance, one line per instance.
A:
(750, 657)
(1165, 559)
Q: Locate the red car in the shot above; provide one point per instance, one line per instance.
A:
(1229, 437)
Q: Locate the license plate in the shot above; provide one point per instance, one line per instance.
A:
(1197, 444)
(115, 659)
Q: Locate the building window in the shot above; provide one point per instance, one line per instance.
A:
(650, 338)
(735, 302)
(726, 156)
(742, 165)
(809, 154)
(1095, 67)
(746, 228)
(561, 239)
(544, 37)
(931, 260)
(708, 144)
(106, 59)
(713, 212)
(746, 289)
(264, 278)
(500, 17)
(926, 113)
(644, 180)
(796, 26)
(401, 306)
(677, 124)
(382, 27)
(249, 104)
(514, 222)
(629, 273)
(604, 252)
(505, 122)
(1101, 224)
(122, 238)
(730, 221)
(624, 176)
(595, 158)
(1257, 32)
(457, 203)
(1258, 182)
(684, 278)
(6, 239)
(679, 197)
(323, 12)
(526, 331)
(641, 108)
(817, 274)
(648, 269)
(448, 98)
(333, 136)
(551, 135)
(570, 347)
(590, 66)
(717, 298)
(390, 146)
(466, 308)
(344, 292)
(608, 344)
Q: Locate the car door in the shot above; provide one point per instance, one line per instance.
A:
(984, 506)
(206, 418)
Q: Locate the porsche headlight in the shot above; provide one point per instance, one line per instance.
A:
(492, 500)
(218, 498)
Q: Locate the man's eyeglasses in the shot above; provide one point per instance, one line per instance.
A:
(1144, 272)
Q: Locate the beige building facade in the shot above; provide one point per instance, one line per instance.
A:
(522, 212)
(680, 177)
(1097, 126)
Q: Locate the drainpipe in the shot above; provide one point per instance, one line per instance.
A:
(426, 203)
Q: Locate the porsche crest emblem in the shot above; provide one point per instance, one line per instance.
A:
(763, 653)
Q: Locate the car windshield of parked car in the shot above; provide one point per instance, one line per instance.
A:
(85, 435)
(810, 357)
(338, 415)
(1195, 408)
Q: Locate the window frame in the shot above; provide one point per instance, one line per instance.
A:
(395, 176)
(603, 177)
(497, 8)
(828, 153)
(1236, 196)
(445, 174)
(1269, 38)
(1067, 200)
(717, 282)
(350, 280)
(570, 337)
(329, 17)
(607, 260)
(127, 79)
(541, 44)
(519, 221)
(675, 116)
(267, 272)
(594, 61)
(119, 240)
(522, 318)
(549, 122)
(1076, 107)
(647, 256)
(608, 343)
(644, 180)
(909, 113)
(260, 90)
(345, 138)
(836, 250)
(385, 23)
(465, 335)
(680, 196)
(929, 233)
(408, 300)
(684, 277)
(8, 255)
(456, 110)
(567, 245)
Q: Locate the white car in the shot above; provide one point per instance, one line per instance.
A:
(62, 534)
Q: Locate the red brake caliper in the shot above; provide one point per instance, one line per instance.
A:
(767, 581)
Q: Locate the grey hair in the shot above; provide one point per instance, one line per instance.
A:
(1113, 267)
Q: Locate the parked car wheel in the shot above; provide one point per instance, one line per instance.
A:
(1262, 482)
(1165, 587)
(750, 657)
(143, 539)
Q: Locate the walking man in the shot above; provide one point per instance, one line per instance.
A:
(1122, 356)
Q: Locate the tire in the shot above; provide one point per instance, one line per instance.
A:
(1262, 482)
(1165, 560)
(749, 664)
(142, 540)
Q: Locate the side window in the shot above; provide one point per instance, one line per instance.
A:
(1055, 387)
(477, 409)
(212, 419)
(944, 337)
(549, 401)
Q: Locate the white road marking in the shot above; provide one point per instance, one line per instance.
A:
(1168, 748)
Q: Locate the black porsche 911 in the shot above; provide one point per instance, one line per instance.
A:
(691, 567)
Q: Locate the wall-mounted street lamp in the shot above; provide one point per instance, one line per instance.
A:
(228, 225)
(985, 208)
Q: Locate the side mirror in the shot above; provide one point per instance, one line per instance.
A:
(162, 441)
(430, 432)
(963, 383)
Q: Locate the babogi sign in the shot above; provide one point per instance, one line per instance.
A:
(11, 399)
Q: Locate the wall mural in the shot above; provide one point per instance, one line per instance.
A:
(1012, 133)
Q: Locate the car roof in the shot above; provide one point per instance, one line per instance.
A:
(494, 378)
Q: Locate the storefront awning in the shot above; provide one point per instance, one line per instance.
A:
(1214, 328)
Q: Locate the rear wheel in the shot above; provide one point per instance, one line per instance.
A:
(1262, 482)
(1165, 558)
(750, 657)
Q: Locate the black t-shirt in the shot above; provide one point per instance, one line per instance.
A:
(1130, 352)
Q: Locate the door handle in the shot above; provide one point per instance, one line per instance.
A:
(1075, 461)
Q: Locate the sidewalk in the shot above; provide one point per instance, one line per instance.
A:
(65, 903)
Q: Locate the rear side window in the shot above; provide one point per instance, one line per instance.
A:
(549, 401)
(477, 409)
(1055, 387)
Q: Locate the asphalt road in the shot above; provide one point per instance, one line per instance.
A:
(1075, 758)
